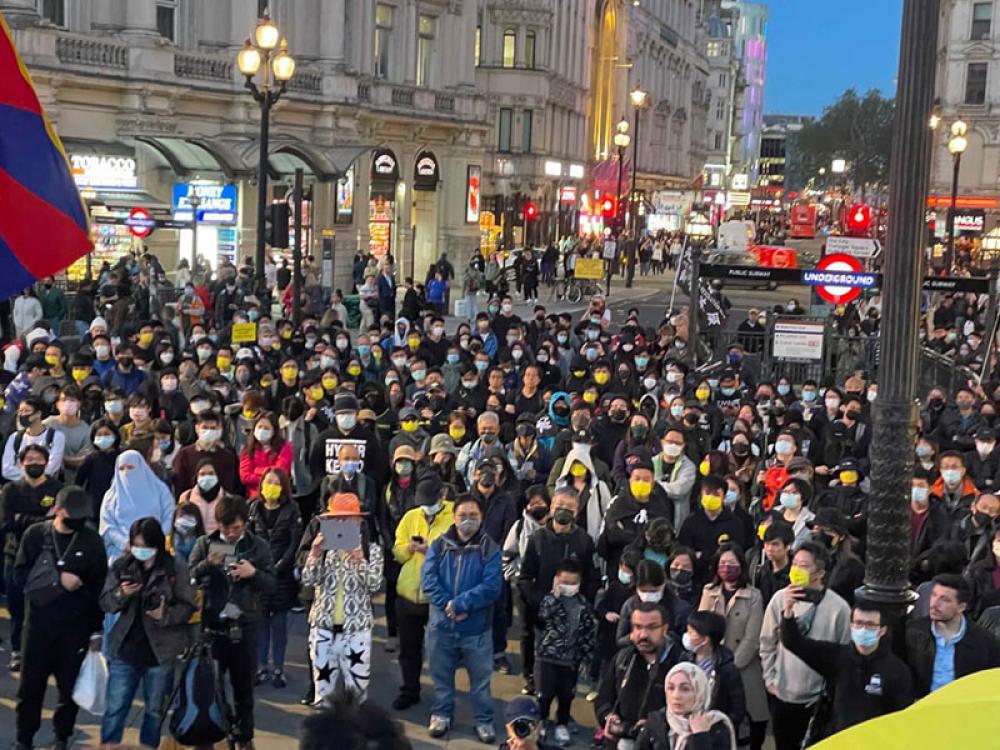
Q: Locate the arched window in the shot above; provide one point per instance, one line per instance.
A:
(509, 47)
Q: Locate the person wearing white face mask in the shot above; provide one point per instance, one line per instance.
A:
(984, 462)
(676, 474)
(266, 449)
(76, 432)
(953, 488)
(210, 445)
(792, 499)
(929, 522)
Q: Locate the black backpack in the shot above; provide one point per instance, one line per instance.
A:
(200, 714)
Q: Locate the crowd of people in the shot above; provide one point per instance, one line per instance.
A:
(685, 547)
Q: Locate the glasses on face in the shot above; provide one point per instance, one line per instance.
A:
(867, 625)
(467, 517)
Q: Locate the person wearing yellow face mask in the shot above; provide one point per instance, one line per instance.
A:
(329, 382)
(457, 430)
(411, 432)
(579, 471)
(602, 375)
(637, 504)
(55, 358)
(846, 496)
(793, 686)
(274, 518)
(710, 525)
(266, 449)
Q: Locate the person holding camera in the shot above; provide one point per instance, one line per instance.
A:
(523, 722)
(60, 566)
(236, 570)
(150, 591)
(795, 688)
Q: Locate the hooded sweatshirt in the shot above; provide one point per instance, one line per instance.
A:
(596, 498)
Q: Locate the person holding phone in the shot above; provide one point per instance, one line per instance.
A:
(341, 616)
(820, 614)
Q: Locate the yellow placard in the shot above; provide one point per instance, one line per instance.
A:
(244, 333)
(589, 268)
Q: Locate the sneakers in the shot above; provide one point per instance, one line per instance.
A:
(439, 726)
(391, 645)
(486, 734)
(262, 676)
(403, 702)
(14, 665)
(308, 697)
(500, 664)
(529, 686)
(561, 736)
(279, 680)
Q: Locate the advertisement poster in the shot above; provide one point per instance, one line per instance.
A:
(473, 182)
(345, 198)
(380, 227)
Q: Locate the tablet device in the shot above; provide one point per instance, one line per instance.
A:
(340, 533)
(228, 552)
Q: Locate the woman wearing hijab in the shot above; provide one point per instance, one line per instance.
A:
(136, 492)
(686, 723)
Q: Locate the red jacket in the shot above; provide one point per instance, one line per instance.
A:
(252, 469)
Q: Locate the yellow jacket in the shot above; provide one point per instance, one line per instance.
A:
(414, 523)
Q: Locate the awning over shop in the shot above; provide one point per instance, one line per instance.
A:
(89, 147)
(126, 200)
(193, 157)
(288, 154)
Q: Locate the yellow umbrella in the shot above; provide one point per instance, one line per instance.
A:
(960, 715)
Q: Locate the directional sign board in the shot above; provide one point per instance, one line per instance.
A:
(821, 277)
(859, 247)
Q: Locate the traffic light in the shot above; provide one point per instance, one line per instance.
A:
(276, 219)
(859, 220)
(530, 211)
(609, 207)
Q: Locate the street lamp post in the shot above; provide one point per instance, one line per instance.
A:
(622, 139)
(639, 98)
(895, 411)
(956, 146)
(260, 55)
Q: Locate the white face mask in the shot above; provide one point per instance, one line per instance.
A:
(569, 590)
(650, 596)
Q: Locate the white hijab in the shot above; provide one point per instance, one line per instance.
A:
(680, 725)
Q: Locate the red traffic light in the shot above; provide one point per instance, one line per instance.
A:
(530, 211)
(859, 219)
(608, 207)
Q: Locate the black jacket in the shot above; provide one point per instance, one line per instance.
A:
(977, 650)
(626, 521)
(655, 735)
(631, 688)
(220, 589)
(984, 593)
(545, 550)
(704, 536)
(283, 534)
(727, 685)
(846, 575)
(863, 686)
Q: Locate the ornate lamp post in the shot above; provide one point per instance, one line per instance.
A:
(622, 140)
(956, 147)
(639, 99)
(276, 68)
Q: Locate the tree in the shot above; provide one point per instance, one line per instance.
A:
(855, 128)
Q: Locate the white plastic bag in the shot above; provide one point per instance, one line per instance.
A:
(91, 683)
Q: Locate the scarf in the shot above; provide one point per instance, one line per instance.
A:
(680, 724)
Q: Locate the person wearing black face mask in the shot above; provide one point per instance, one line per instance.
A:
(60, 621)
(32, 431)
(23, 503)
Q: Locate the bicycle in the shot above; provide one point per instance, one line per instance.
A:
(573, 290)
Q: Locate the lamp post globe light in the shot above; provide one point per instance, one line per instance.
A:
(956, 147)
(267, 55)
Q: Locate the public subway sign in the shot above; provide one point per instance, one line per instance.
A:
(795, 276)
(95, 172)
(218, 202)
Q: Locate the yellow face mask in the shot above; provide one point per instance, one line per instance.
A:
(145, 339)
(702, 394)
(414, 344)
(848, 477)
(704, 467)
(317, 393)
(457, 433)
(601, 377)
(80, 374)
(640, 488)
(354, 370)
(797, 576)
(286, 334)
(761, 530)
(223, 362)
(409, 425)
(579, 373)
(330, 383)
(711, 503)
(289, 373)
(578, 470)
(590, 397)
(249, 414)
(52, 359)
(270, 491)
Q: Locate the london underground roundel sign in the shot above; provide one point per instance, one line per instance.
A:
(140, 222)
(839, 278)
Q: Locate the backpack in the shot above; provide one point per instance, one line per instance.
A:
(19, 437)
(200, 715)
(43, 587)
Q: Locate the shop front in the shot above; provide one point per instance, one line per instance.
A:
(217, 205)
(382, 203)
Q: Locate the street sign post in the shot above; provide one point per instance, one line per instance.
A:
(859, 247)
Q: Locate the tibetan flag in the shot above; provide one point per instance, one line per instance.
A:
(43, 222)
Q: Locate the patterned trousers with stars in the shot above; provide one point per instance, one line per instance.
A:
(341, 662)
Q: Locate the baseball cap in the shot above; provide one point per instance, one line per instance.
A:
(522, 708)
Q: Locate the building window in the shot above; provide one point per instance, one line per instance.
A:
(383, 39)
(718, 142)
(529, 49)
(503, 144)
(715, 49)
(975, 83)
(509, 48)
(479, 39)
(720, 109)
(982, 18)
(166, 19)
(53, 11)
(425, 49)
(526, 123)
(722, 79)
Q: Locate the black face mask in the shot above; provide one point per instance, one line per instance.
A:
(125, 362)
(618, 415)
(538, 513)
(563, 516)
(681, 577)
(75, 524)
(25, 420)
(34, 470)
(823, 538)
(487, 478)
(741, 449)
(982, 520)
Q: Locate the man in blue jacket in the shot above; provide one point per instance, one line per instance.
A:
(462, 579)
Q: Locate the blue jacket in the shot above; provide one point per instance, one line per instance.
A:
(468, 575)
(128, 382)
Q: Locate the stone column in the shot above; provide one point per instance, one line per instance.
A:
(19, 13)
(140, 18)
